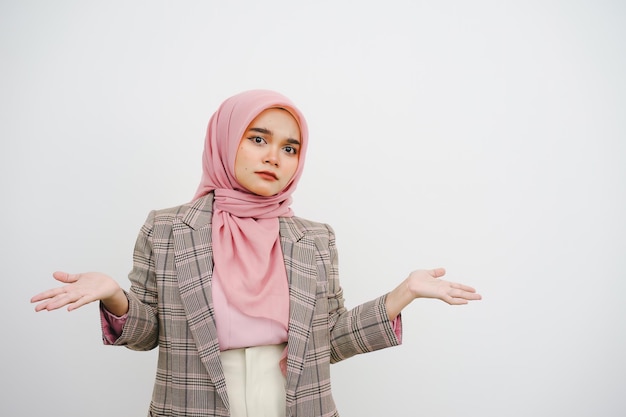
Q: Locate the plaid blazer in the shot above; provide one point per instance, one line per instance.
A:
(170, 306)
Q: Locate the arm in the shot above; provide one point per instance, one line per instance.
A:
(87, 287)
(364, 328)
(367, 327)
(141, 327)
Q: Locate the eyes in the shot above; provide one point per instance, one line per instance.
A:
(260, 141)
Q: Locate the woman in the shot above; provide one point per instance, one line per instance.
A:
(241, 296)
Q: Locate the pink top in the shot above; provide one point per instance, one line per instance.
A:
(236, 330)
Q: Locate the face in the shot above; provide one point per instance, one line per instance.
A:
(267, 158)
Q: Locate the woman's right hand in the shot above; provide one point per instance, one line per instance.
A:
(81, 289)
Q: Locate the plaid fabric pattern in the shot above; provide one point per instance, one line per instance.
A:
(170, 307)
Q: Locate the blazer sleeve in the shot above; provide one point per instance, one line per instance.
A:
(141, 329)
(365, 328)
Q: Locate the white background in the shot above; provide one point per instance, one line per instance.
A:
(488, 137)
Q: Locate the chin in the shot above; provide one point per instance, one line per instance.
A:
(267, 193)
(263, 192)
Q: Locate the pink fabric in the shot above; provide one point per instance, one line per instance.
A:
(396, 325)
(246, 247)
(236, 330)
(112, 325)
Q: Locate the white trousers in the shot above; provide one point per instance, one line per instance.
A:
(254, 382)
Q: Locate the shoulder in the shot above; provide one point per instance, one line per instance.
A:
(170, 213)
(321, 233)
(195, 214)
(310, 226)
(167, 215)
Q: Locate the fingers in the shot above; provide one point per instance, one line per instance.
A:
(65, 277)
(462, 294)
(78, 303)
(462, 287)
(56, 297)
(47, 294)
(40, 306)
(46, 305)
(70, 299)
(456, 301)
(52, 299)
(438, 272)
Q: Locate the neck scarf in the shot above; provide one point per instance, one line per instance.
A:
(248, 259)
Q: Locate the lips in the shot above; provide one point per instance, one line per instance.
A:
(267, 175)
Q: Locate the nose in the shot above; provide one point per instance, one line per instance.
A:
(271, 157)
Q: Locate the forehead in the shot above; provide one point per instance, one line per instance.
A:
(277, 119)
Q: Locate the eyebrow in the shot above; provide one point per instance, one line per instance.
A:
(260, 130)
(269, 132)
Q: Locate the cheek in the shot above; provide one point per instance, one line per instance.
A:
(240, 160)
(239, 169)
(293, 168)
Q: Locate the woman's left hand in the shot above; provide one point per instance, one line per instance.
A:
(427, 283)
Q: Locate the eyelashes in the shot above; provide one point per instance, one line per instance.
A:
(259, 140)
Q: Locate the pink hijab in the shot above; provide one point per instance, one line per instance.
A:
(246, 244)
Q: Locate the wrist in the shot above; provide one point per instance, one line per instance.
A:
(399, 298)
(117, 303)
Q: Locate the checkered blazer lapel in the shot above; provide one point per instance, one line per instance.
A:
(299, 255)
(193, 255)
